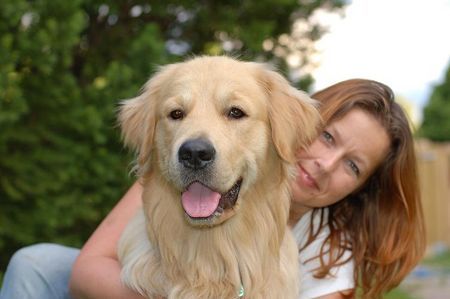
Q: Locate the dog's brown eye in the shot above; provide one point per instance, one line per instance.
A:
(236, 113)
(176, 114)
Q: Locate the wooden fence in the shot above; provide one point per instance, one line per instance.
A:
(434, 173)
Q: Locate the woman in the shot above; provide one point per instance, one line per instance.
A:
(355, 211)
(370, 188)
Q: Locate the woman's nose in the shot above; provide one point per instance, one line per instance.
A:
(329, 161)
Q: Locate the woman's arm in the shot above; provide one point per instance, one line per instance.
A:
(96, 272)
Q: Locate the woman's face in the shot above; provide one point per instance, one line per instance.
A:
(340, 160)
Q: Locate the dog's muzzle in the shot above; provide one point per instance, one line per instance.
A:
(201, 201)
(203, 204)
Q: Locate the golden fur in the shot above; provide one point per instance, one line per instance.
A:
(165, 252)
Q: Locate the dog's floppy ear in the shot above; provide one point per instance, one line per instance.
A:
(293, 115)
(137, 117)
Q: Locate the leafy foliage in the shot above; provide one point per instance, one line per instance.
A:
(64, 65)
(436, 116)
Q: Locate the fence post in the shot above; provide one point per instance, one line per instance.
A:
(433, 161)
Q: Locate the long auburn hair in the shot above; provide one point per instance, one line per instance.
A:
(381, 223)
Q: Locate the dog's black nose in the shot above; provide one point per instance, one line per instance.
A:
(196, 153)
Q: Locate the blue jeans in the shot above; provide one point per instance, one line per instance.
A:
(40, 271)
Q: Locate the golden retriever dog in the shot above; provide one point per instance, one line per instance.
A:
(216, 141)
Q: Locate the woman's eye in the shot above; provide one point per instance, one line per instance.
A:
(236, 113)
(327, 136)
(176, 114)
(354, 167)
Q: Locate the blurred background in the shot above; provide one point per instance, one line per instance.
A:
(65, 65)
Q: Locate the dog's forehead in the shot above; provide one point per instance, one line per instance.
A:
(220, 78)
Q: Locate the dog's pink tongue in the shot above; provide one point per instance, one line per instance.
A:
(199, 201)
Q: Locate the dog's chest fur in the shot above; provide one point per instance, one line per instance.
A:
(215, 262)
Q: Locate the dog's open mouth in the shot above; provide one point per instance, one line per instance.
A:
(200, 202)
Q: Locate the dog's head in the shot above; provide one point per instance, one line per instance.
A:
(212, 127)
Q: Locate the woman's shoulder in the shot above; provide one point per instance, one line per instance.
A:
(341, 277)
(302, 228)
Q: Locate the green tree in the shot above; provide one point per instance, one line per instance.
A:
(64, 65)
(436, 115)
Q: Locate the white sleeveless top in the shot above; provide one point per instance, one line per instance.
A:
(310, 287)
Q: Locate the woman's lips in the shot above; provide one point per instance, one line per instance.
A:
(306, 179)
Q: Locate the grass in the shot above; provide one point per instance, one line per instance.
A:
(397, 294)
(441, 260)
